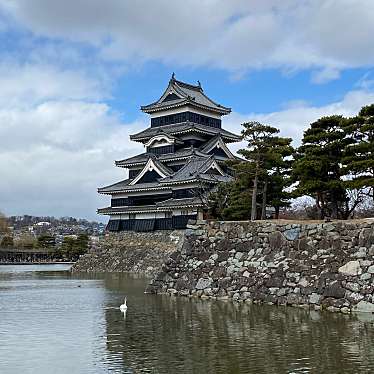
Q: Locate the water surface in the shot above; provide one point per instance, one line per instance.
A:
(55, 322)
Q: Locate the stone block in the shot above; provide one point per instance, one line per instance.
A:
(351, 268)
(363, 307)
(353, 297)
(371, 269)
(366, 237)
(328, 226)
(352, 286)
(303, 282)
(361, 253)
(292, 233)
(315, 298)
(239, 255)
(365, 276)
(275, 282)
(334, 290)
(203, 283)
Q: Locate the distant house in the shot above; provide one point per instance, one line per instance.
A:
(185, 154)
(43, 224)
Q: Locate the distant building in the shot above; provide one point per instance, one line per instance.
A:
(185, 154)
(43, 223)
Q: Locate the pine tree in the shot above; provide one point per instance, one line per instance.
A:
(318, 168)
(232, 201)
(239, 197)
(266, 156)
(46, 241)
(359, 154)
(277, 176)
(257, 154)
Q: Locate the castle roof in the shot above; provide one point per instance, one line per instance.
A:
(197, 168)
(162, 206)
(179, 94)
(141, 159)
(184, 128)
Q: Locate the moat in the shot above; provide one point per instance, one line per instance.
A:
(52, 321)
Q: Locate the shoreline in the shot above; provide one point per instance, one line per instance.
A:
(38, 263)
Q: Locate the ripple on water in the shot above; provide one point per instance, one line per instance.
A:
(48, 321)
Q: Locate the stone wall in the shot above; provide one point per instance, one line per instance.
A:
(130, 251)
(324, 265)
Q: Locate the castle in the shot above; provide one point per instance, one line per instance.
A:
(185, 154)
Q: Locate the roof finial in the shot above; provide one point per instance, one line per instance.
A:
(199, 84)
(173, 76)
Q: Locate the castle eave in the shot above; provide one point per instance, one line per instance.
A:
(154, 108)
(165, 206)
(185, 128)
(179, 94)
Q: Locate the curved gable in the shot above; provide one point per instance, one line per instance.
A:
(160, 140)
(150, 173)
(214, 168)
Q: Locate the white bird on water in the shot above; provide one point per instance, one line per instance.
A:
(123, 307)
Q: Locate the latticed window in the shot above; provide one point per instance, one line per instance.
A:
(186, 116)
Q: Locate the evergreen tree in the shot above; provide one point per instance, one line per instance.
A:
(259, 140)
(232, 200)
(260, 179)
(7, 242)
(240, 197)
(277, 176)
(359, 154)
(73, 247)
(46, 241)
(267, 163)
(318, 166)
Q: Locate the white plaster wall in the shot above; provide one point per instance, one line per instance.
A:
(150, 215)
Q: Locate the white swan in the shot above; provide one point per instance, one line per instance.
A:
(123, 307)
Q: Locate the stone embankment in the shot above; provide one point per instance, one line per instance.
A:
(130, 251)
(322, 265)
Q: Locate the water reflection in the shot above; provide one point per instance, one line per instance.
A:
(170, 335)
(55, 321)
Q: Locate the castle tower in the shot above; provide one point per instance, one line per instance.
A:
(185, 154)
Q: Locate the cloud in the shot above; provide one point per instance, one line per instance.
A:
(54, 156)
(366, 82)
(239, 35)
(294, 120)
(325, 75)
(58, 135)
(25, 84)
(58, 139)
(59, 146)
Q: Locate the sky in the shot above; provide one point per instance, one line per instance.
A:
(74, 73)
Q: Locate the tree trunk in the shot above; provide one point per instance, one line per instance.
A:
(334, 205)
(254, 198)
(264, 195)
(320, 204)
(277, 208)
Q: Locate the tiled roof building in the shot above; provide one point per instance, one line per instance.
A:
(185, 154)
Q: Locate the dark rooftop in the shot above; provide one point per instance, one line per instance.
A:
(143, 157)
(160, 206)
(180, 93)
(194, 169)
(184, 127)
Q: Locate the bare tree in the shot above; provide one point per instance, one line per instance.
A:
(4, 228)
